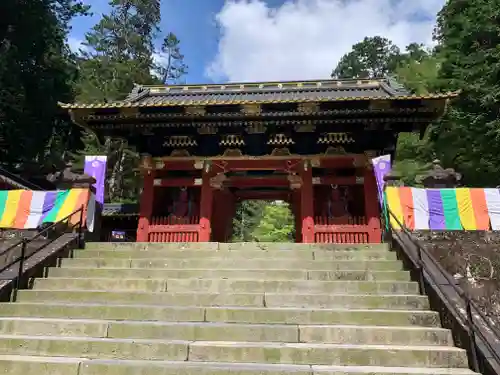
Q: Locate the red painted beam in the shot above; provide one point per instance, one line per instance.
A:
(263, 195)
(335, 180)
(256, 165)
(175, 182)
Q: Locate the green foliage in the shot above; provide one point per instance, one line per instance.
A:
(37, 70)
(171, 67)
(118, 54)
(373, 57)
(276, 225)
(468, 137)
(247, 217)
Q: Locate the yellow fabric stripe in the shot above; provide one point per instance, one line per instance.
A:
(10, 212)
(466, 209)
(69, 205)
(394, 204)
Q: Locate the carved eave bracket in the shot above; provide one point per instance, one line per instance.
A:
(280, 140)
(308, 108)
(232, 140)
(335, 138)
(256, 128)
(207, 130)
(195, 110)
(176, 141)
(251, 109)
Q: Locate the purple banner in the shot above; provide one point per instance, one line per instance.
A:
(381, 167)
(436, 211)
(95, 166)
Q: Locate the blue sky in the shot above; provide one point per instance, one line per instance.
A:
(252, 40)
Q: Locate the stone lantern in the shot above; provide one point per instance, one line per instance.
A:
(439, 178)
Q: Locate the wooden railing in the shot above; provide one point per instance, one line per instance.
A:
(174, 229)
(353, 230)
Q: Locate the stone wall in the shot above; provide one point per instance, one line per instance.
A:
(473, 258)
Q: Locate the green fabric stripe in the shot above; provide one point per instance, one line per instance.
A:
(450, 208)
(59, 201)
(3, 200)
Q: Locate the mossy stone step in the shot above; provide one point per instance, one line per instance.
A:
(204, 331)
(388, 301)
(229, 286)
(137, 312)
(225, 351)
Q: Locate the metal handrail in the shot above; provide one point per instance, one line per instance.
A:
(25, 241)
(472, 329)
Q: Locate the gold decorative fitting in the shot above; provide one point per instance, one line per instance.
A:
(129, 111)
(217, 182)
(305, 128)
(232, 140)
(180, 153)
(315, 162)
(195, 110)
(232, 152)
(335, 151)
(281, 151)
(295, 181)
(198, 182)
(157, 182)
(160, 164)
(198, 164)
(256, 128)
(360, 180)
(308, 108)
(207, 130)
(380, 105)
(146, 162)
(251, 109)
(316, 180)
(280, 140)
(332, 138)
(180, 141)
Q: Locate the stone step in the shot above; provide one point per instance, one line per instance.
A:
(157, 273)
(136, 312)
(233, 351)
(237, 246)
(217, 262)
(27, 365)
(198, 331)
(235, 256)
(388, 301)
(232, 286)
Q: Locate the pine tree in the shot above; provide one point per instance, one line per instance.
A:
(171, 67)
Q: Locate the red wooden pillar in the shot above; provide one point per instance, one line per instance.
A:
(206, 204)
(297, 216)
(146, 207)
(372, 210)
(230, 203)
(306, 205)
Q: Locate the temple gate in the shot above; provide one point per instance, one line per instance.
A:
(205, 148)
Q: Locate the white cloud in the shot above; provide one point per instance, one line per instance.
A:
(304, 39)
(76, 44)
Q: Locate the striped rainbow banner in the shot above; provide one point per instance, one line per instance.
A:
(444, 209)
(28, 209)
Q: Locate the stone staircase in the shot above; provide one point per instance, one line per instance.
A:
(219, 309)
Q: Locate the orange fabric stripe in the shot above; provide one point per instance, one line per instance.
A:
(406, 197)
(23, 209)
(82, 200)
(480, 208)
